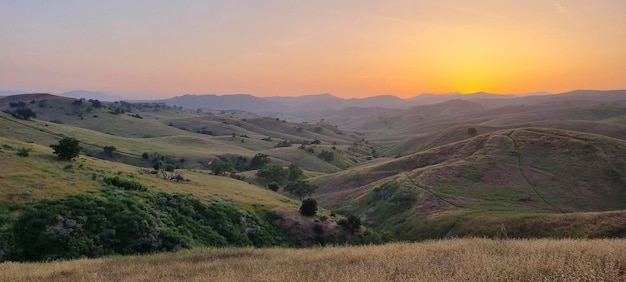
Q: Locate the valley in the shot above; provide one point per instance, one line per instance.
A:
(541, 166)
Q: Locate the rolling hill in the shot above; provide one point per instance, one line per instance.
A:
(188, 138)
(489, 180)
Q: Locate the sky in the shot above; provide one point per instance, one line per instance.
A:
(349, 48)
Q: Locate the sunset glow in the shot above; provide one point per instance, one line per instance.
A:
(286, 48)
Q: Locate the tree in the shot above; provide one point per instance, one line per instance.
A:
(67, 149)
(352, 223)
(258, 161)
(294, 172)
(96, 103)
(220, 167)
(273, 186)
(272, 173)
(300, 188)
(24, 152)
(308, 207)
(24, 113)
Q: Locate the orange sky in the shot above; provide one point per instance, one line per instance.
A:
(350, 49)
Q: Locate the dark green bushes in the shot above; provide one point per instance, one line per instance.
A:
(117, 221)
(126, 184)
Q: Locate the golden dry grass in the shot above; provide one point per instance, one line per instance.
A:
(450, 260)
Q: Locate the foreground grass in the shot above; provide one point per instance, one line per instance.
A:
(450, 260)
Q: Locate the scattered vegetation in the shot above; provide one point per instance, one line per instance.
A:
(24, 113)
(23, 152)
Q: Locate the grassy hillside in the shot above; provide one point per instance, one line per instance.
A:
(503, 174)
(453, 134)
(41, 176)
(449, 260)
(188, 139)
(196, 149)
(105, 119)
(399, 132)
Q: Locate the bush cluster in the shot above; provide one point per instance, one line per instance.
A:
(115, 221)
(126, 184)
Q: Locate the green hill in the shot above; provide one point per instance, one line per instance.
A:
(491, 179)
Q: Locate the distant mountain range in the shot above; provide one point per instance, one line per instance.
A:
(320, 102)
(324, 102)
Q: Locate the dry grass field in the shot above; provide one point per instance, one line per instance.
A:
(449, 260)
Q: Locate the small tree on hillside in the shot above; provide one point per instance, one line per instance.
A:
(294, 172)
(24, 113)
(300, 188)
(273, 173)
(308, 207)
(258, 161)
(352, 223)
(96, 103)
(67, 149)
(220, 167)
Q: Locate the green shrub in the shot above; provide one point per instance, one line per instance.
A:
(352, 223)
(23, 152)
(67, 149)
(128, 222)
(126, 184)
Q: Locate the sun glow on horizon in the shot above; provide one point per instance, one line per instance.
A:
(403, 48)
